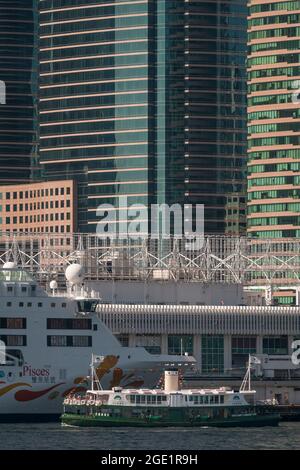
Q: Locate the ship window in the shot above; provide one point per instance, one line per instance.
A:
(8, 304)
(82, 341)
(211, 399)
(69, 341)
(9, 288)
(21, 304)
(221, 398)
(53, 304)
(24, 289)
(64, 305)
(143, 399)
(87, 305)
(40, 304)
(29, 304)
(138, 399)
(13, 323)
(69, 324)
(57, 341)
(14, 340)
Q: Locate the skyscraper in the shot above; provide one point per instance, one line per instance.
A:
(145, 99)
(18, 75)
(274, 116)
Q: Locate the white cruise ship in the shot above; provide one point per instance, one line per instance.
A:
(46, 343)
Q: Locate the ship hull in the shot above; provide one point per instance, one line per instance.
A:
(238, 421)
(23, 401)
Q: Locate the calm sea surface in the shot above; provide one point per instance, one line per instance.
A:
(53, 436)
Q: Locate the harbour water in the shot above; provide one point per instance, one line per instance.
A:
(53, 437)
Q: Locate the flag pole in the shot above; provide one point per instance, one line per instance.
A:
(249, 372)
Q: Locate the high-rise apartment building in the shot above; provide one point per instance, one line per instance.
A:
(144, 99)
(18, 103)
(274, 119)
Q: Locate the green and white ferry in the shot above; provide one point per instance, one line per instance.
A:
(167, 407)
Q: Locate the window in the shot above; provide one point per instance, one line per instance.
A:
(57, 341)
(212, 353)
(275, 345)
(241, 347)
(13, 323)
(14, 340)
(69, 341)
(180, 344)
(69, 324)
(152, 343)
(123, 339)
(82, 341)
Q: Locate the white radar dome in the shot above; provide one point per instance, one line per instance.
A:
(74, 273)
(9, 265)
(53, 285)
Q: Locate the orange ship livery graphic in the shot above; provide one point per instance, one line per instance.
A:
(29, 395)
(106, 365)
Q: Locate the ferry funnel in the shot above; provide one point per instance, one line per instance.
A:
(171, 381)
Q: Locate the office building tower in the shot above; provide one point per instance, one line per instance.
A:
(145, 99)
(274, 119)
(18, 89)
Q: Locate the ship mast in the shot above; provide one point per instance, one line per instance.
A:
(246, 383)
(94, 376)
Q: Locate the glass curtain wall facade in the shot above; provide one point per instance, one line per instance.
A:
(215, 109)
(18, 108)
(144, 99)
(94, 100)
(274, 119)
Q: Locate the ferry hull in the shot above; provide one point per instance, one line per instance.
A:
(238, 421)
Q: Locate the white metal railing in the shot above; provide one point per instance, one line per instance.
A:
(219, 260)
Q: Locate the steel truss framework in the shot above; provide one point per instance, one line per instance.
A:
(214, 260)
